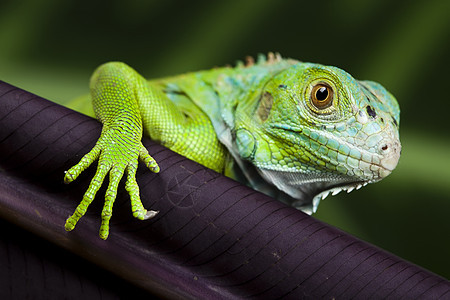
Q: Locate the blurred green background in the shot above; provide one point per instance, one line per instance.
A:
(51, 47)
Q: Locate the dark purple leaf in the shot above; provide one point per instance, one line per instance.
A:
(213, 238)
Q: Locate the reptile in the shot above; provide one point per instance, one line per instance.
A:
(294, 130)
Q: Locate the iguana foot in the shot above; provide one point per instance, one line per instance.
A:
(117, 155)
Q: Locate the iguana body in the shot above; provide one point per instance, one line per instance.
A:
(293, 130)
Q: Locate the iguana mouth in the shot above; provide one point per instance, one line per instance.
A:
(307, 189)
(386, 166)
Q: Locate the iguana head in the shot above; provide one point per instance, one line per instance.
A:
(316, 130)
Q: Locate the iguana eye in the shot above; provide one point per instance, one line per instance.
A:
(322, 96)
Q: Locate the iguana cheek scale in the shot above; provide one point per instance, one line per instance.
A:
(296, 131)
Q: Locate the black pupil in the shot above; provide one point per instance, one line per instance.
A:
(322, 93)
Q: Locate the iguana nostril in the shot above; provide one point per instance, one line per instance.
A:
(390, 152)
(371, 112)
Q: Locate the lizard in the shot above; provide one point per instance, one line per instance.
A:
(294, 130)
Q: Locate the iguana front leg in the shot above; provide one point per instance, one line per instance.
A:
(114, 88)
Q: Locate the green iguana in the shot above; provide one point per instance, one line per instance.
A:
(293, 130)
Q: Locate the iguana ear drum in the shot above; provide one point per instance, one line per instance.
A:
(265, 105)
(322, 96)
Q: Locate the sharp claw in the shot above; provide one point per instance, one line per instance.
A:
(155, 169)
(68, 178)
(150, 214)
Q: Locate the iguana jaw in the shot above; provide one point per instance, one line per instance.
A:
(387, 165)
(334, 191)
(305, 191)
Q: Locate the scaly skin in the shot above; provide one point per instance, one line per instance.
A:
(296, 131)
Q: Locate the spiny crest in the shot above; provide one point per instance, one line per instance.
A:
(262, 59)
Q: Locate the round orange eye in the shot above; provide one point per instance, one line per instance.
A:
(322, 96)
